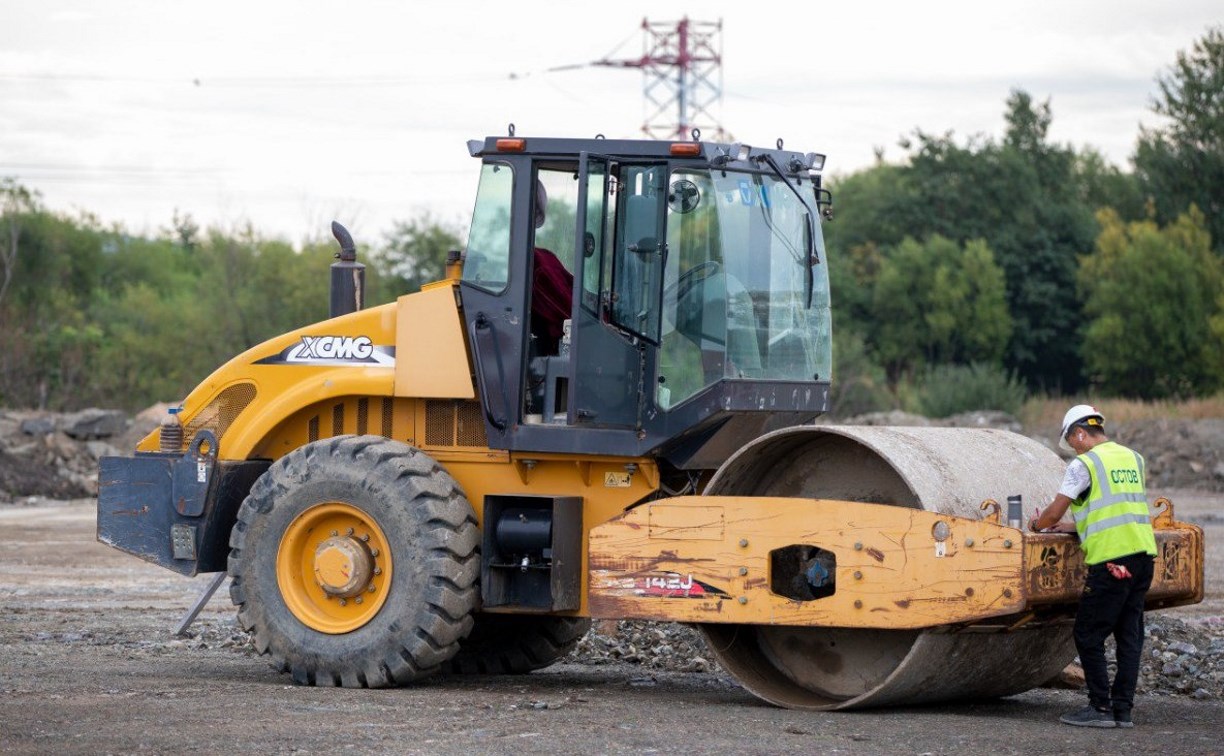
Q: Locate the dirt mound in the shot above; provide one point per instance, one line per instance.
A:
(55, 455)
(978, 419)
(1179, 453)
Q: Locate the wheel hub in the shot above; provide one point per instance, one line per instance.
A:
(334, 567)
(343, 566)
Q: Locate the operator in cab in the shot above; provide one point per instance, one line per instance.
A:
(1104, 490)
(552, 287)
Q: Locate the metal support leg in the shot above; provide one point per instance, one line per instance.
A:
(205, 595)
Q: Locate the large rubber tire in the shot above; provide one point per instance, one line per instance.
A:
(515, 644)
(430, 531)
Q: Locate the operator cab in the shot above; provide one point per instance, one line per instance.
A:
(699, 311)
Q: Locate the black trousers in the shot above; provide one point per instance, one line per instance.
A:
(1114, 607)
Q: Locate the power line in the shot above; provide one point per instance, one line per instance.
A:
(128, 175)
(252, 81)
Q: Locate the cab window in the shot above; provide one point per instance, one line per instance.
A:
(487, 260)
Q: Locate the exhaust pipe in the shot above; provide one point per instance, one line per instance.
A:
(347, 275)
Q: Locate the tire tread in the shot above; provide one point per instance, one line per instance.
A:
(517, 644)
(430, 628)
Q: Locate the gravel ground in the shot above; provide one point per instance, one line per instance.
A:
(1180, 657)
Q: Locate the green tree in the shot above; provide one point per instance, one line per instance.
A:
(937, 302)
(53, 268)
(859, 384)
(875, 205)
(93, 315)
(1021, 197)
(1152, 297)
(173, 313)
(946, 390)
(1030, 200)
(1182, 162)
(1101, 184)
(852, 276)
(156, 345)
(854, 238)
(415, 251)
(16, 204)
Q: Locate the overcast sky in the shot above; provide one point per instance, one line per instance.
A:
(289, 113)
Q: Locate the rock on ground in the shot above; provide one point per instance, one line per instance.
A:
(654, 645)
(1180, 658)
(56, 456)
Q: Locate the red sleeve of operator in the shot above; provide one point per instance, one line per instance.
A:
(552, 294)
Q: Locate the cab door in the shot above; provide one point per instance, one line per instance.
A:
(618, 289)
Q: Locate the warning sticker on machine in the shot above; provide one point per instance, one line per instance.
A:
(617, 479)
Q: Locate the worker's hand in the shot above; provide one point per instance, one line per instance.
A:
(1032, 523)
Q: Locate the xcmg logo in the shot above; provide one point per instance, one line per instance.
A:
(333, 350)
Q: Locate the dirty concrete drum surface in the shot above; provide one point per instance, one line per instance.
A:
(946, 470)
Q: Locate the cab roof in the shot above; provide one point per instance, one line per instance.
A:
(712, 153)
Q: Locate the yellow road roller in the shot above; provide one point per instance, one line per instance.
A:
(604, 409)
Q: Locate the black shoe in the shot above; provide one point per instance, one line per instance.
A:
(1089, 717)
(1123, 719)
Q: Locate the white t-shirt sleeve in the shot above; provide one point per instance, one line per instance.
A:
(1075, 480)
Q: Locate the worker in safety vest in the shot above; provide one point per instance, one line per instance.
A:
(1104, 490)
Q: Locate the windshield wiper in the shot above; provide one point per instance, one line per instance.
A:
(810, 257)
(767, 216)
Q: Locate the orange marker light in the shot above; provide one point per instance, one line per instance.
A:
(686, 148)
(511, 145)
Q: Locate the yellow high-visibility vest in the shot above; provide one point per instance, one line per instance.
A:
(1112, 516)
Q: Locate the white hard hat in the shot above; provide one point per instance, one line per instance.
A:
(1080, 413)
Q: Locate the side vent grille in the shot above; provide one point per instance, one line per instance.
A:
(338, 420)
(453, 423)
(470, 426)
(221, 412)
(387, 415)
(439, 423)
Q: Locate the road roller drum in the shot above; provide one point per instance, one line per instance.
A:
(929, 597)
